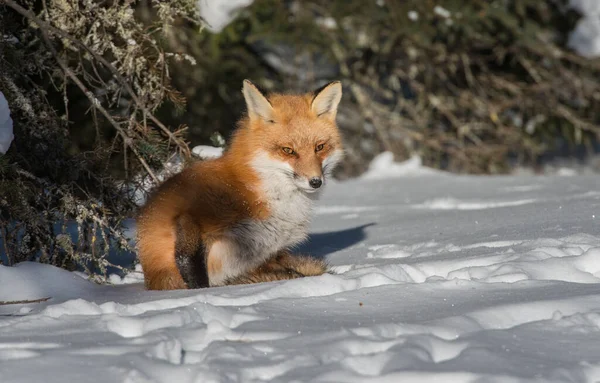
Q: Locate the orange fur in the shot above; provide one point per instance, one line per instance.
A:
(296, 126)
(205, 201)
(283, 266)
(218, 202)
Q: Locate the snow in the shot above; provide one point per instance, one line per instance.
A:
(143, 183)
(6, 125)
(140, 188)
(439, 278)
(219, 13)
(207, 152)
(585, 38)
(383, 166)
(441, 11)
(326, 22)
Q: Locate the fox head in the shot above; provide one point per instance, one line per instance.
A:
(294, 138)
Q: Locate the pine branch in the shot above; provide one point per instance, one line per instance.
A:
(46, 26)
(96, 104)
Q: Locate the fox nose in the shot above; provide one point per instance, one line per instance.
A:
(315, 182)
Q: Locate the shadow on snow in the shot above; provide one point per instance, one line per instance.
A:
(319, 245)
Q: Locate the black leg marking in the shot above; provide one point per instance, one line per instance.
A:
(190, 257)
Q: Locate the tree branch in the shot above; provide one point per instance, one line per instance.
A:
(96, 104)
(24, 302)
(44, 25)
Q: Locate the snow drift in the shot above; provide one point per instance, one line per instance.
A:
(438, 277)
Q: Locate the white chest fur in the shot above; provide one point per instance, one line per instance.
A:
(287, 225)
(251, 242)
(290, 211)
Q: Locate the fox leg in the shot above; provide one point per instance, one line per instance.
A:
(302, 264)
(164, 279)
(190, 254)
(156, 245)
(282, 266)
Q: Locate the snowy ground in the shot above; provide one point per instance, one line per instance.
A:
(585, 38)
(440, 278)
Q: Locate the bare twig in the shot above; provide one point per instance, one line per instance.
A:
(24, 302)
(576, 121)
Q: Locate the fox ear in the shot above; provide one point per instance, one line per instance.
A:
(256, 102)
(327, 99)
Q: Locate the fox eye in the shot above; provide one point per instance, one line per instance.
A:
(288, 150)
(319, 147)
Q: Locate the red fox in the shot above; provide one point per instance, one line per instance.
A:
(232, 220)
